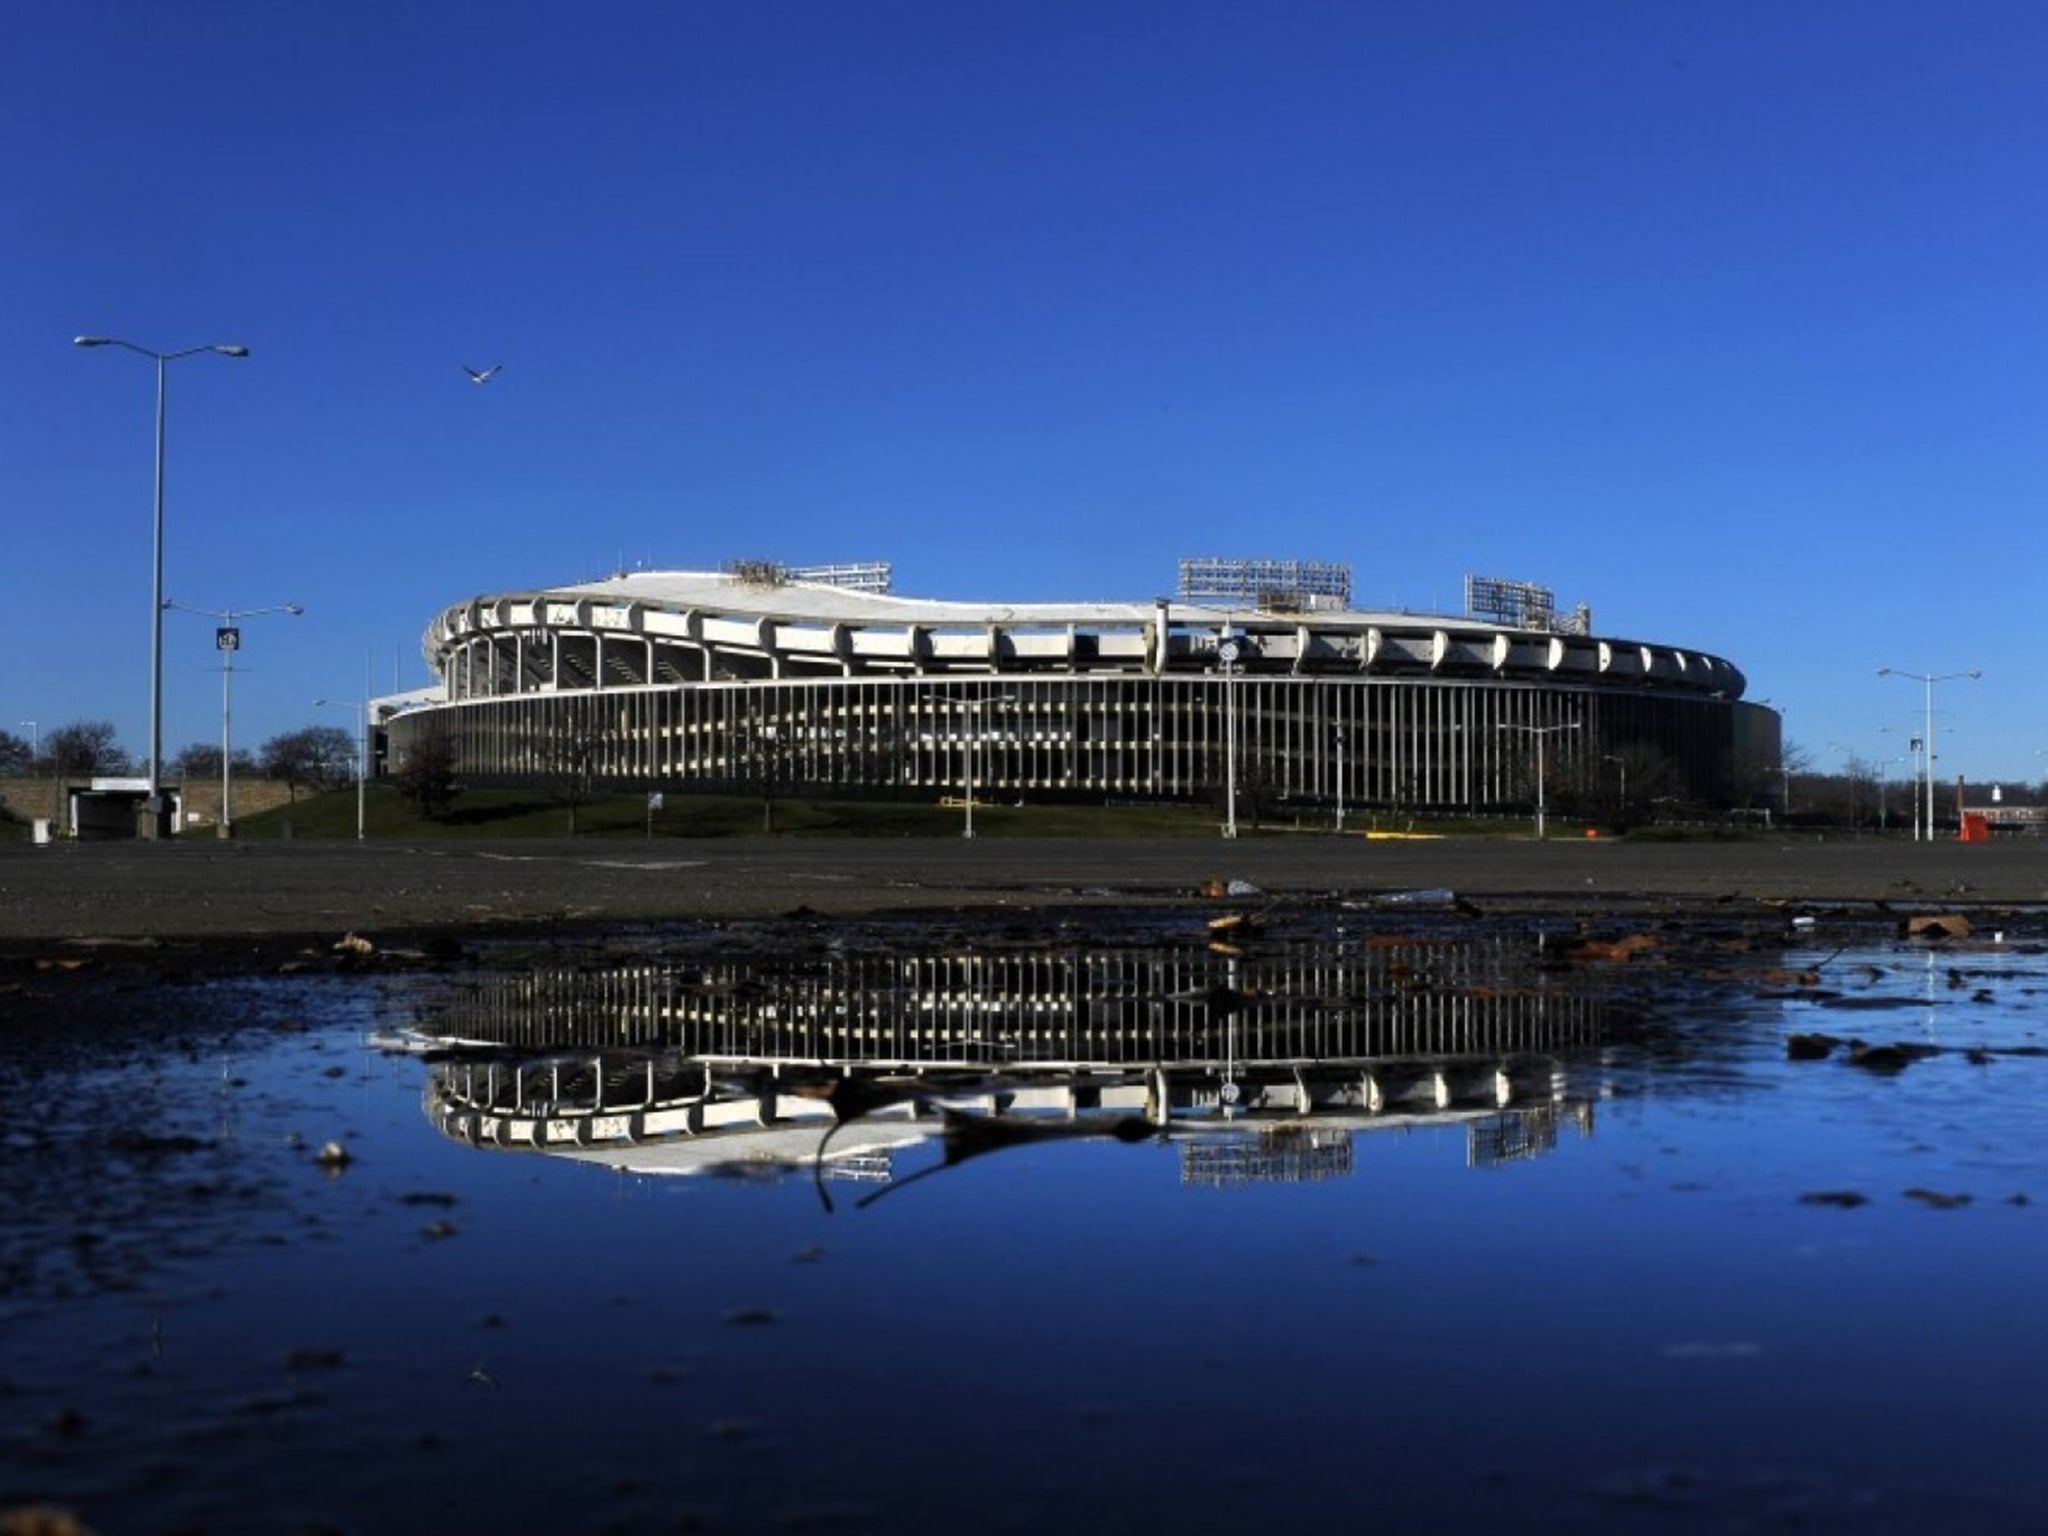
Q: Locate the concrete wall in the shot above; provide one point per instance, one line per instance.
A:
(26, 799)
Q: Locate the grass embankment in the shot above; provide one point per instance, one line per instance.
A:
(510, 813)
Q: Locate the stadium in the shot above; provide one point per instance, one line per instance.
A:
(1256, 684)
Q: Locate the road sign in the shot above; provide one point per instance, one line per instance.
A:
(227, 638)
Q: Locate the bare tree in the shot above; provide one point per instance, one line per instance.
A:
(201, 760)
(426, 778)
(571, 758)
(765, 761)
(314, 757)
(85, 747)
(1623, 788)
(16, 756)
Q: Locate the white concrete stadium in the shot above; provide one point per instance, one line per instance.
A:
(760, 679)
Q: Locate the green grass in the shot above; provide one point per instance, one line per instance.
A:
(506, 813)
(514, 813)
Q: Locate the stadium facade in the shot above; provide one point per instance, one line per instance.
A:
(760, 678)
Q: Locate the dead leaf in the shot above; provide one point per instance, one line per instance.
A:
(1937, 925)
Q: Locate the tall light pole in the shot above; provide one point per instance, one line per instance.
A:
(227, 639)
(1914, 747)
(1927, 680)
(159, 812)
(1884, 776)
(1339, 734)
(1911, 759)
(1540, 732)
(362, 709)
(970, 706)
(1228, 651)
(1849, 765)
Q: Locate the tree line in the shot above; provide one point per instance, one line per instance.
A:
(314, 757)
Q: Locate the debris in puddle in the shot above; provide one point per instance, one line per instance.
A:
(333, 1156)
(1844, 1199)
(1935, 1199)
(1888, 1058)
(1624, 948)
(41, 1520)
(1421, 896)
(1776, 977)
(1702, 1349)
(1937, 925)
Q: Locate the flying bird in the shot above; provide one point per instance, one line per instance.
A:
(481, 375)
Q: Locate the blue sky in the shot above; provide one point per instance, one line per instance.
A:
(1727, 319)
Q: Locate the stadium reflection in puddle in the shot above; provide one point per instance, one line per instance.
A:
(1323, 1219)
(847, 1067)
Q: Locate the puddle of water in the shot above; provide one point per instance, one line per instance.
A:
(1443, 1225)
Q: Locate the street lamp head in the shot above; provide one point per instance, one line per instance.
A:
(92, 341)
(294, 609)
(232, 350)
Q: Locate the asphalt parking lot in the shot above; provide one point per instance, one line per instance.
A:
(205, 889)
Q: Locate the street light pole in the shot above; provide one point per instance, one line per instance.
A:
(1340, 778)
(1621, 767)
(227, 639)
(362, 709)
(1916, 746)
(158, 811)
(971, 706)
(1540, 732)
(1927, 680)
(967, 828)
(1228, 650)
(1848, 773)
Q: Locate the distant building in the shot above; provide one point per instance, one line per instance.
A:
(678, 680)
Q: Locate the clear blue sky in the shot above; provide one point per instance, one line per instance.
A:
(1728, 319)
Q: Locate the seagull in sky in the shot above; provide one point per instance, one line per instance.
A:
(481, 375)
